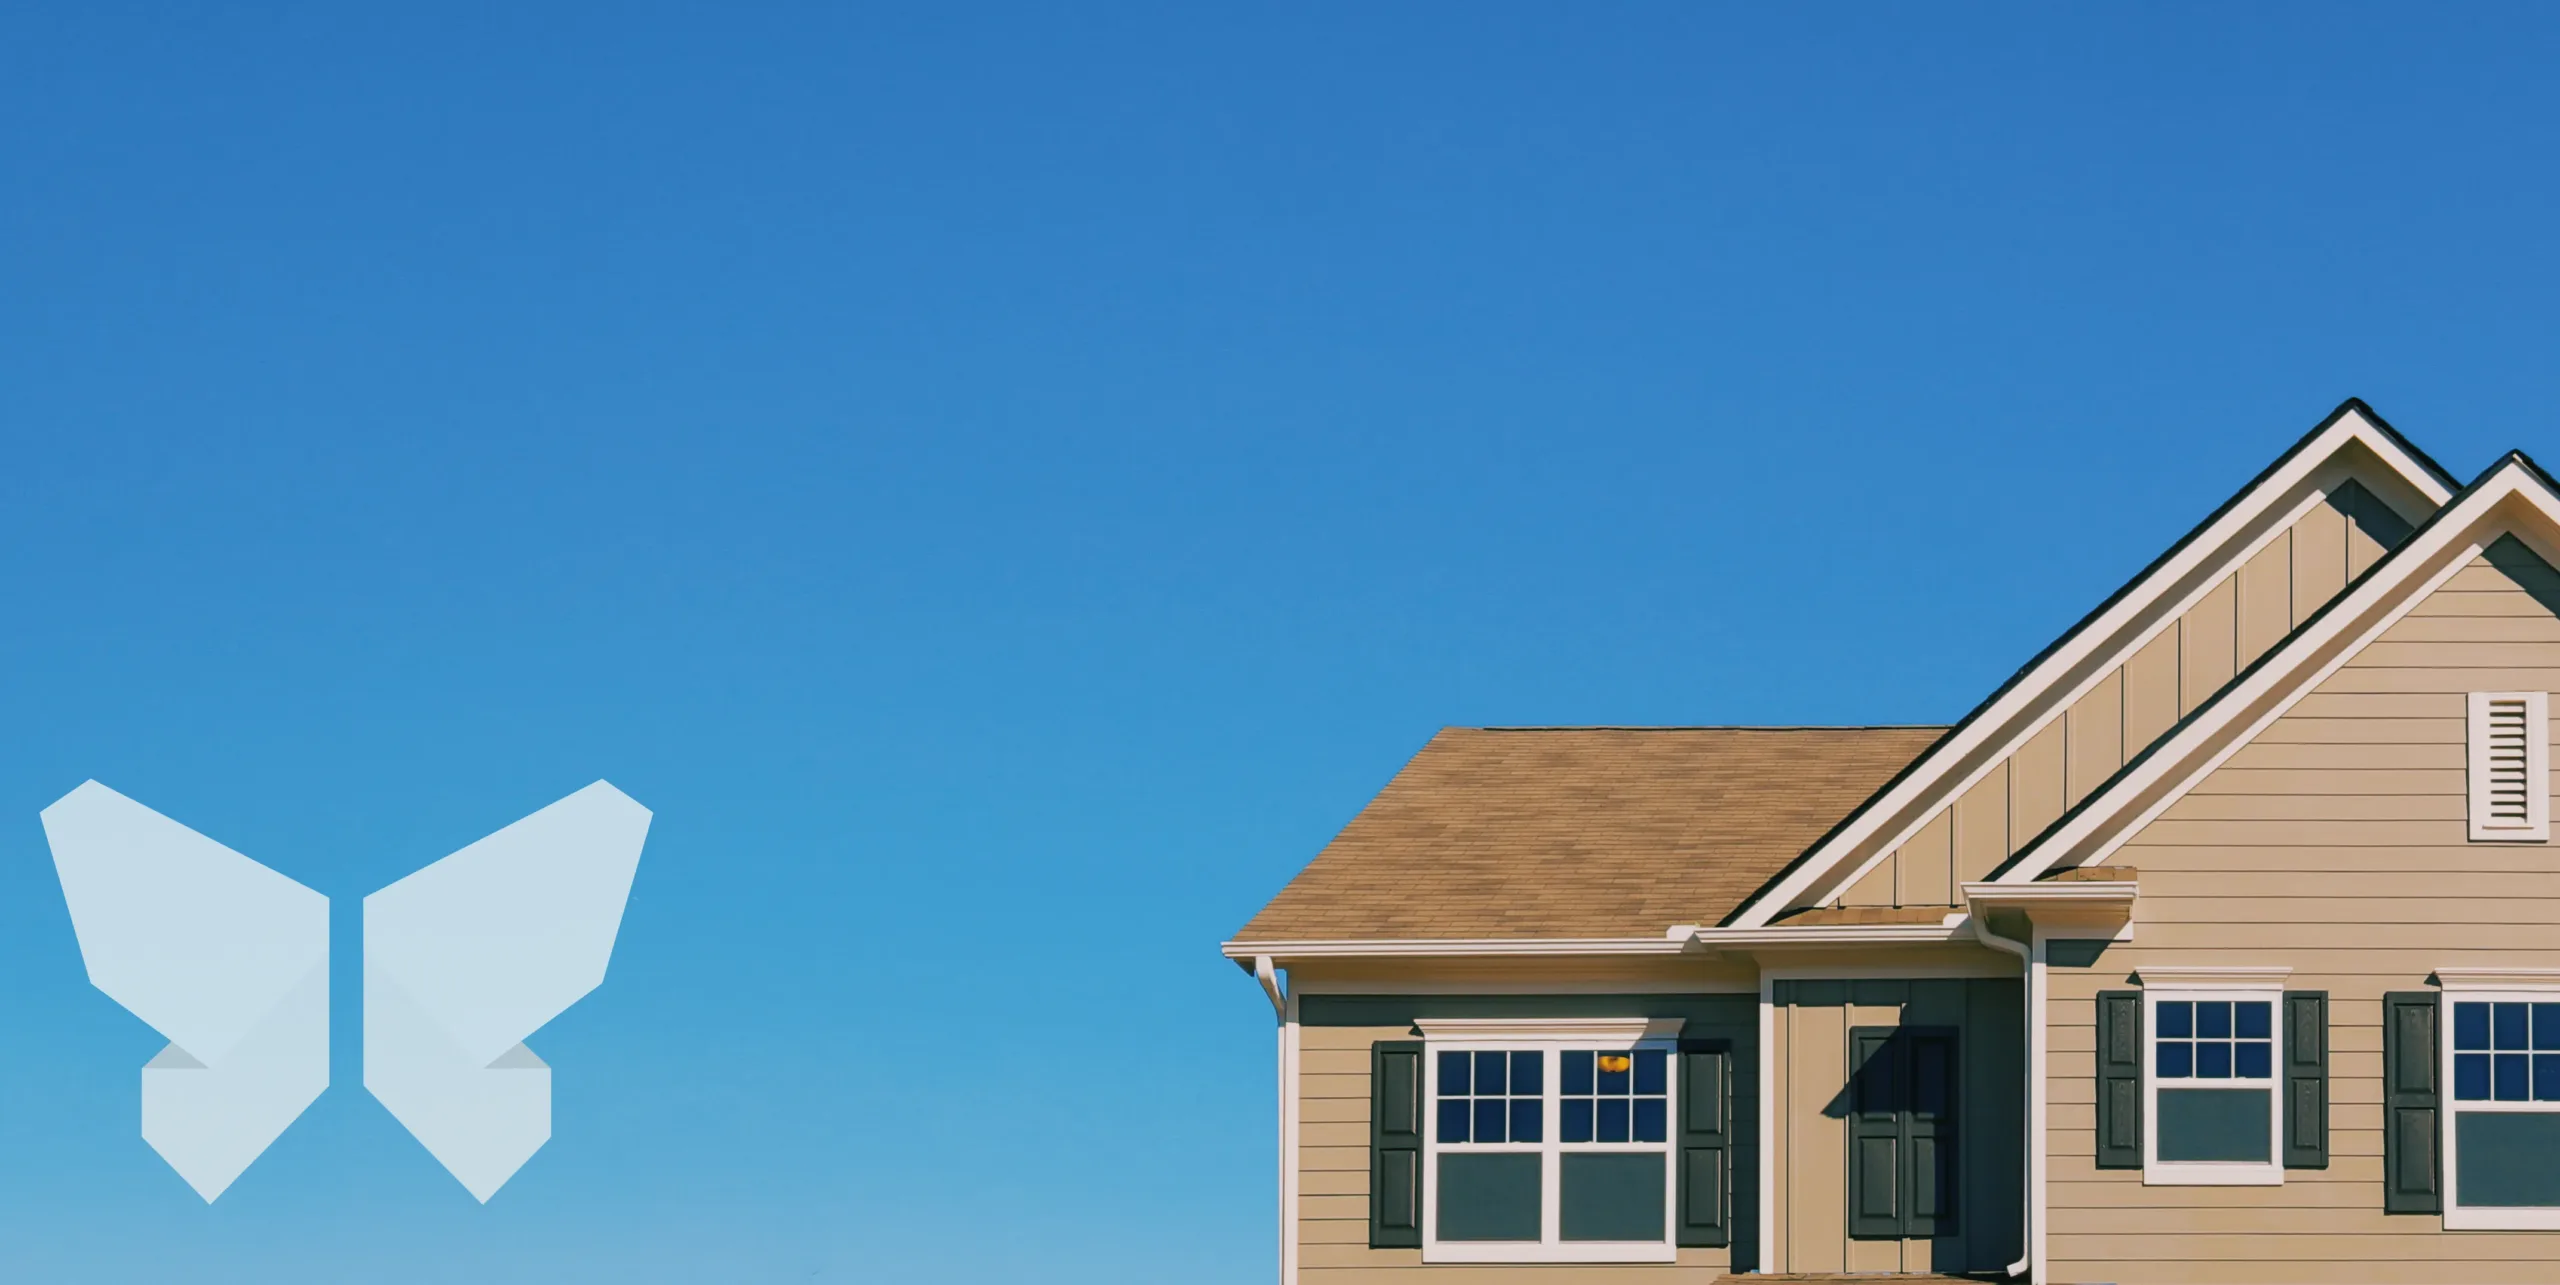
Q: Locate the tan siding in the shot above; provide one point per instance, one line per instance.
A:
(1982, 826)
(2333, 844)
(1927, 865)
(2128, 708)
(2265, 598)
(2094, 738)
(2207, 638)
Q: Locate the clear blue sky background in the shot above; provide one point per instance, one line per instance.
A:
(1006, 484)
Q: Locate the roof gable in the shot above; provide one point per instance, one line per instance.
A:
(2514, 501)
(2353, 447)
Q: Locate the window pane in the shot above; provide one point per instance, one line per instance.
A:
(2213, 1019)
(2250, 1020)
(2213, 1061)
(1489, 1197)
(1453, 1120)
(2176, 1060)
(2503, 1159)
(2214, 1124)
(1525, 1113)
(2471, 1026)
(1613, 1120)
(2471, 1077)
(2546, 1026)
(2507, 1026)
(1489, 1115)
(1653, 1115)
(1528, 1074)
(1610, 1197)
(1577, 1071)
(1649, 1070)
(1613, 1072)
(2546, 1077)
(1577, 1120)
(2511, 1072)
(2253, 1059)
(2178, 1020)
(1489, 1077)
(1453, 1075)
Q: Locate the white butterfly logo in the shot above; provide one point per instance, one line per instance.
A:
(230, 961)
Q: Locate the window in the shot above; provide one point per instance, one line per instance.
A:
(2213, 1114)
(1549, 1149)
(2502, 1145)
(2510, 772)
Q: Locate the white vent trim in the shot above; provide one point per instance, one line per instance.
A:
(2509, 738)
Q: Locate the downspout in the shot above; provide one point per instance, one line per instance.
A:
(2034, 978)
(1265, 973)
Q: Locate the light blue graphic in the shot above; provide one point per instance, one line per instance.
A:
(224, 956)
(467, 957)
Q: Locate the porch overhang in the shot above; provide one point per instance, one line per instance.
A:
(2091, 903)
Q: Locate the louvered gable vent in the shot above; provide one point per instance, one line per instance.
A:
(2510, 769)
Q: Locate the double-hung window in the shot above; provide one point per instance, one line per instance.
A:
(2502, 1144)
(2214, 1117)
(1549, 1141)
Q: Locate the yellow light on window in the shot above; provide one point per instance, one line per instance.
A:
(1615, 1062)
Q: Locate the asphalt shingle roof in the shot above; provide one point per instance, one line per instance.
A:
(1582, 831)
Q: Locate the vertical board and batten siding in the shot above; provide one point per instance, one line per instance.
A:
(1334, 1038)
(2236, 621)
(2333, 844)
(1810, 1046)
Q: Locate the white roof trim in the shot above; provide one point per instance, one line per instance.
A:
(1457, 947)
(2498, 979)
(2075, 892)
(1837, 935)
(2447, 544)
(2121, 628)
(1629, 1029)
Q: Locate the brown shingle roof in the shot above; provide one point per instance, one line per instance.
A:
(1582, 831)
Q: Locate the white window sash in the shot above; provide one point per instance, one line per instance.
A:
(2211, 1173)
(1551, 1247)
(2457, 1216)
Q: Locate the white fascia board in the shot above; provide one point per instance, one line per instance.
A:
(2116, 632)
(2493, 506)
(1453, 947)
(2076, 893)
(1836, 935)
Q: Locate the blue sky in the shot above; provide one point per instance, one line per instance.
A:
(1005, 484)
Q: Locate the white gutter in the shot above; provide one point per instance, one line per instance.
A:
(2031, 1264)
(1264, 973)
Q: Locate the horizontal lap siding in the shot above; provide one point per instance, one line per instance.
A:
(2332, 844)
(1333, 1136)
(2239, 619)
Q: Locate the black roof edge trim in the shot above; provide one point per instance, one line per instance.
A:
(2024, 853)
(2301, 444)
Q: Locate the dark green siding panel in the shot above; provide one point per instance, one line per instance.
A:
(1489, 1195)
(1992, 1090)
(2305, 1081)
(2214, 1124)
(2119, 1087)
(2074, 952)
(1395, 1144)
(2412, 1167)
(2507, 1159)
(1605, 1196)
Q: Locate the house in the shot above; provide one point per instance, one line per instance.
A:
(2220, 944)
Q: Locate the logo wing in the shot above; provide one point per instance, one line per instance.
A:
(225, 957)
(466, 958)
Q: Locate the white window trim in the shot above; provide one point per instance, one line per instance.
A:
(2513, 987)
(1549, 1037)
(2536, 827)
(2210, 1173)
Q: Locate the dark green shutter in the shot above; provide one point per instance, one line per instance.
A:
(1395, 1144)
(1929, 1133)
(1706, 1143)
(2119, 1019)
(2306, 1079)
(2412, 1166)
(1876, 1074)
